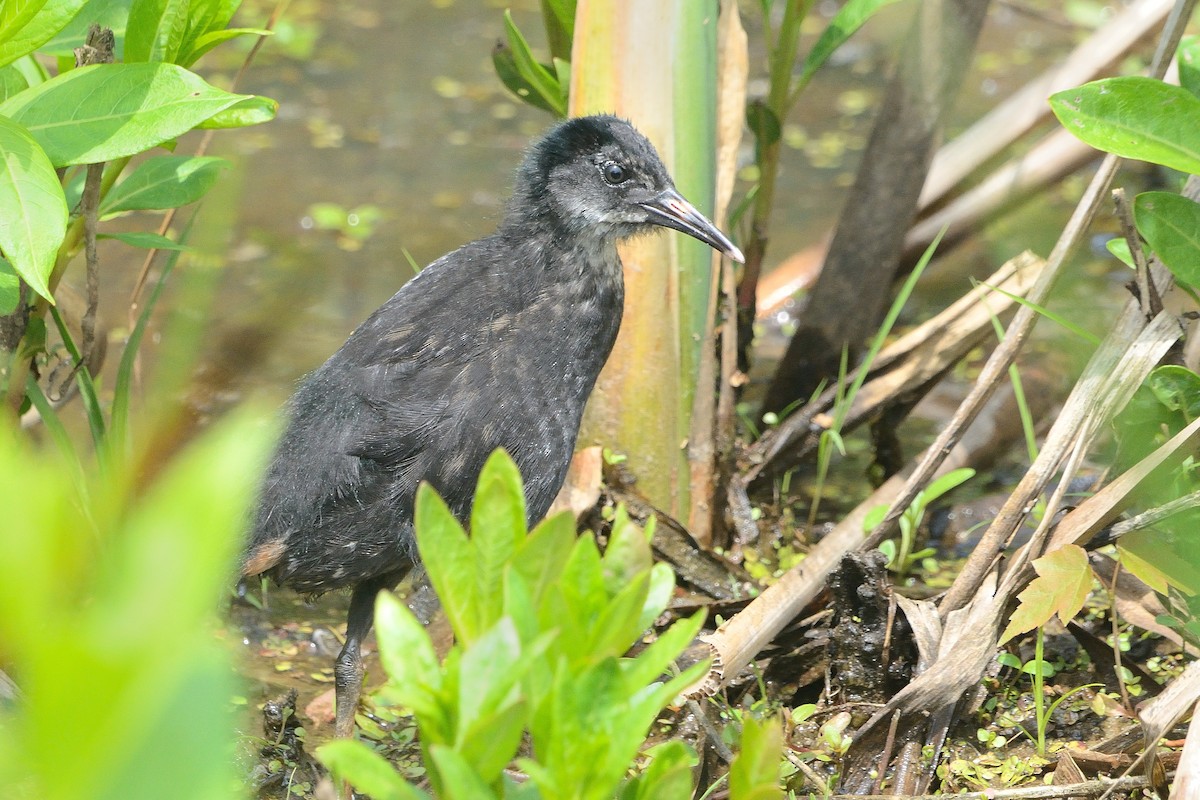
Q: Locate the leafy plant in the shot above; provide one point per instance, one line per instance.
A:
(1148, 119)
(87, 123)
(107, 601)
(543, 622)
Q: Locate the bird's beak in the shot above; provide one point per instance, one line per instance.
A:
(670, 210)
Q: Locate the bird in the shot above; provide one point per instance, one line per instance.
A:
(495, 345)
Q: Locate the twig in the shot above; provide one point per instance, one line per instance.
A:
(1092, 788)
(1147, 293)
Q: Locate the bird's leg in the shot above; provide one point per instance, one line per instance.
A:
(348, 671)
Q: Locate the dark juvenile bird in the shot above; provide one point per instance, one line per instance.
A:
(497, 344)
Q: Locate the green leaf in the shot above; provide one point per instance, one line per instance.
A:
(627, 554)
(458, 780)
(10, 288)
(1188, 57)
(108, 111)
(146, 241)
(754, 774)
(1120, 248)
(405, 649)
(543, 555)
(845, 23)
(19, 76)
(252, 111)
(951, 480)
(541, 80)
(763, 124)
(155, 30)
(26, 26)
(449, 560)
(669, 776)
(1171, 224)
(206, 21)
(616, 628)
(505, 64)
(33, 210)
(1177, 389)
(1135, 117)
(497, 530)
(210, 40)
(559, 17)
(366, 770)
(653, 661)
(163, 182)
(1061, 587)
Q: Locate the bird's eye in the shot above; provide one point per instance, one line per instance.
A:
(613, 173)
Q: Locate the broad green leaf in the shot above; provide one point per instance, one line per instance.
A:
(108, 111)
(1164, 556)
(559, 17)
(1135, 117)
(254, 110)
(505, 64)
(449, 559)
(763, 124)
(669, 776)
(163, 182)
(10, 288)
(27, 25)
(627, 553)
(1171, 224)
(582, 584)
(405, 649)
(146, 240)
(206, 18)
(1061, 587)
(487, 672)
(20, 75)
(366, 770)
(616, 629)
(33, 210)
(653, 661)
(540, 79)
(951, 480)
(849, 19)
(210, 40)
(28, 32)
(155, 31)
(658, 594)
(1177, 389)
(543, 555)
(1188, 57)
(458, 780)
(1120, 248)
(754, 774)
(497, 530)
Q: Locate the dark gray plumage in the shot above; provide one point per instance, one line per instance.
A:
(497, 344)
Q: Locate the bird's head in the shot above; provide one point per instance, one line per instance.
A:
(597, 176)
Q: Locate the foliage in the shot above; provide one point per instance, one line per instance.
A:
(1040, 669)
(1147, 119)
(107, 595)
(544, 86)
(1061, 587)
(99, 114)
(542, 622)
